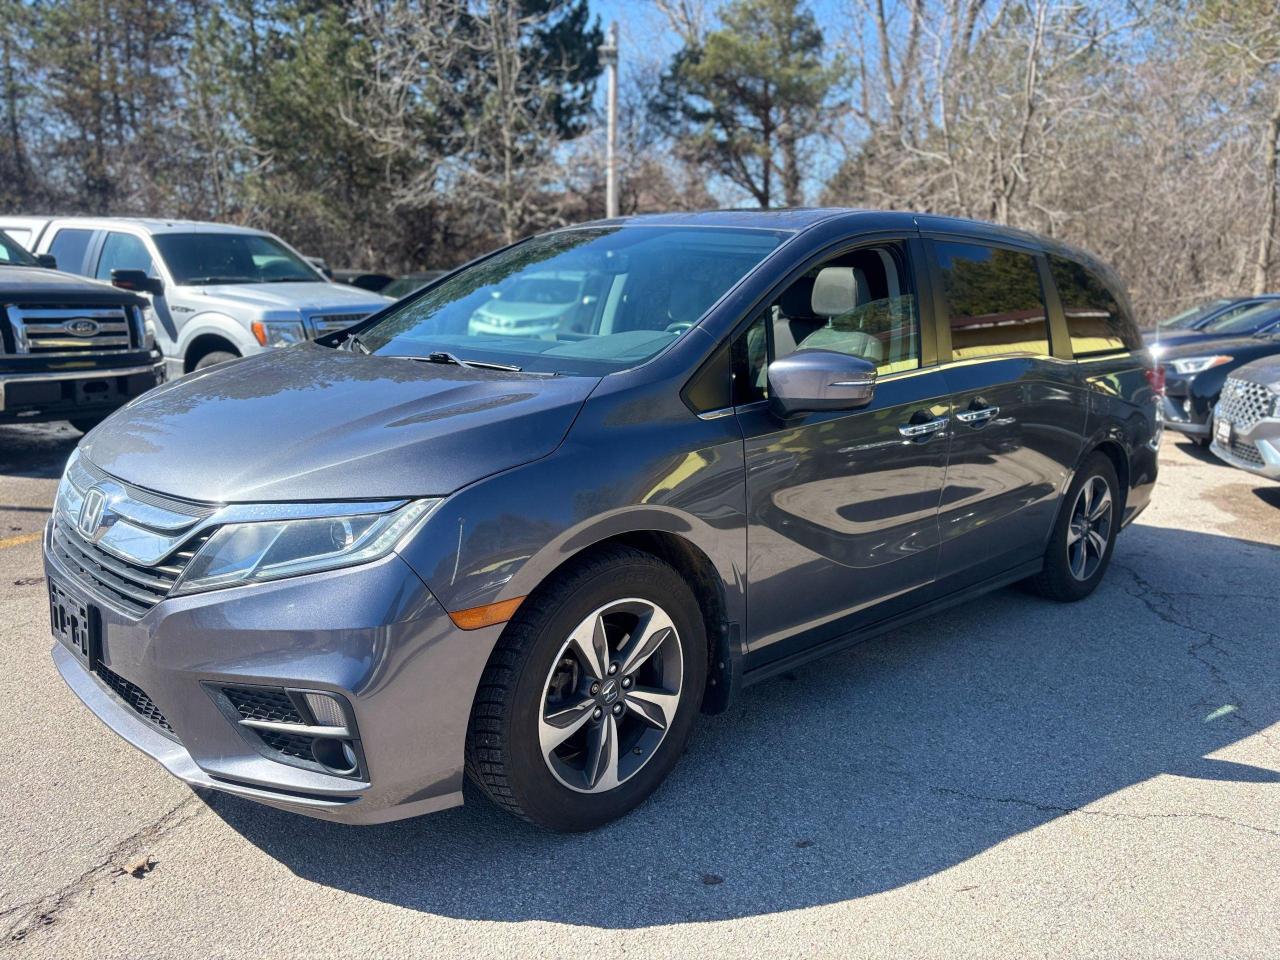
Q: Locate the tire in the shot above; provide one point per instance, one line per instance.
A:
(536, 674)
(214, 357)
(1061, 579)
(85, 424)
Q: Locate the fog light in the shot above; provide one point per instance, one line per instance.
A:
(326, 709)
(335, 755)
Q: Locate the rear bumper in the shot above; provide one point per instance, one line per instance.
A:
(62, 394)
(374, 635)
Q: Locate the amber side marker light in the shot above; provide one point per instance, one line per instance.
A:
(259, 332)
(473, 618)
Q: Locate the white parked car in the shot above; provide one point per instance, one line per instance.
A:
(216, 292)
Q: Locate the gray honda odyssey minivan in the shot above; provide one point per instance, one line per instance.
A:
(339, 577)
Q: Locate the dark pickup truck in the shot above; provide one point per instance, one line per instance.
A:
(70, 349)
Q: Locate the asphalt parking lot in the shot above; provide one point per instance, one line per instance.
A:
(1011, 778)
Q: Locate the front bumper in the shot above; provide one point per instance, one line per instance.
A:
(1181, 414)
(61, 394)
(1256, 450)
(373, 634)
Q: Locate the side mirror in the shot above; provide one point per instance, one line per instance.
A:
(810, 380)
(47, 260)
(137, 281)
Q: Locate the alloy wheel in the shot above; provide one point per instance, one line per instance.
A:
(611, 695)
(1090, 528)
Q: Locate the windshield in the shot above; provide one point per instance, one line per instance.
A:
(13, 255)
(200, 258)
(1246, 322)
(579, 301)
(1189, 317)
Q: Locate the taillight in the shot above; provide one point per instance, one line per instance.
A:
(1155, 377)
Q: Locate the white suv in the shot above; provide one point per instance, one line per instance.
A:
(216, 291)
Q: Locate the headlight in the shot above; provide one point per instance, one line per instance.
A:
(240, 553)
(279, 333)
(1156, 350)
(1192, 365)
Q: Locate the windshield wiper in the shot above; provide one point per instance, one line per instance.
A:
(202, 281)
(354, 343)
(440, 356)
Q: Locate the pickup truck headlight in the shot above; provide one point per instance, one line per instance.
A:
(279, 333)
(241, 553)
(1189, 366)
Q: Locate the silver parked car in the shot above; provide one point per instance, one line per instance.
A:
(1247, 418)
(216, 292)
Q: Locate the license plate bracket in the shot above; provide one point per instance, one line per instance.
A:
(76, 624)
(1222, 432)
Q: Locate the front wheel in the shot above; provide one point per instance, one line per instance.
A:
(1084, 536)
(591, 694)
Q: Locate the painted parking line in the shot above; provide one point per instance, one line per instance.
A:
(20, 539)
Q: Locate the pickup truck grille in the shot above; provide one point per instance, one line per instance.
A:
(73, 331)
(323, 324)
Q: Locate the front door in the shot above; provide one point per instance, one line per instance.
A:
(843, 506)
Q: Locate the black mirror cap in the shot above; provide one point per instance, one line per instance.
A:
(47, 260)
(137, 281)
(809, 381)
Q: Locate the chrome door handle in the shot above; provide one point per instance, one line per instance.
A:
(976, 417)
(926, 429)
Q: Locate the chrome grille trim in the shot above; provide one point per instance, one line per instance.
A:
(50, 331)
(322, 324)
(1244, 403)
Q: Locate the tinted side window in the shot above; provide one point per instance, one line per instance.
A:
(69, 247)
(1096, 318)
(123, 251)
(994, 301)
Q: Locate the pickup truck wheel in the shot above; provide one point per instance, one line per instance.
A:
(591, 693)
(1084, 536)
(213, 358)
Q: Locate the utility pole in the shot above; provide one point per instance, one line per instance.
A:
(609, 57)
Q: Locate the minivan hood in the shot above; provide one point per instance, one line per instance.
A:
(312, 423)
(315, 296)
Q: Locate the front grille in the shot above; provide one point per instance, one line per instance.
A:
(135, 698)
(1244, 403)
(260, 703)
(72, 330)
(290, 744)
(323, 324)
(133, 588)
(1247, 452)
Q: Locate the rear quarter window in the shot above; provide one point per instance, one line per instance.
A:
(1097, 319)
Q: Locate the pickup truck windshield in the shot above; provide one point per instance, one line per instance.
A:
(590, 300)
(210, 258)
(12, 253)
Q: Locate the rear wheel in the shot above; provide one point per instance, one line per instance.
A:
(591, 694)
(1084, 536)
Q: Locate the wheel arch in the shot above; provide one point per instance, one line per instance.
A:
(204, 344)
(725, 650)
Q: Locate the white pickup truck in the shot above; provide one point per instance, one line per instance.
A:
(215, 291)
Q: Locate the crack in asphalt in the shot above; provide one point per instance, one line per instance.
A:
(1212, 641)
(1056, 808)
(31, 915)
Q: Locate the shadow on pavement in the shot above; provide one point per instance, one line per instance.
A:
(874, 768)
(37, 450)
